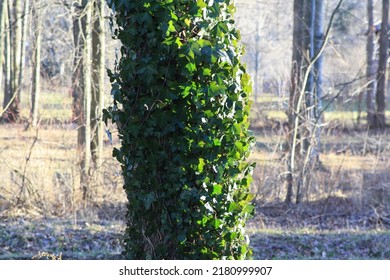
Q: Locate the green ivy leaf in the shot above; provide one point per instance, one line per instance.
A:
(217, 189)
(149, 199)
(201, 4)
(201, 164)
(147, 73)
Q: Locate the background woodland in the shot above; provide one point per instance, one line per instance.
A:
(322, 179)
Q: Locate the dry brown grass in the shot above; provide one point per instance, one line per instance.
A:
(40, 174)
(347, 159)
(40, 168)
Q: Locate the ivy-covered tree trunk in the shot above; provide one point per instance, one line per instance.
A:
(181, 106)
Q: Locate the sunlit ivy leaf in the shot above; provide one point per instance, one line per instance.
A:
(201, 4)
(187, 21)
(201, 164)
(191, 67)
(217, 189)
(171, 27)
(216, 223)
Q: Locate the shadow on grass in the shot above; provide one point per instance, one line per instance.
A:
(46, 239)
(361, 245)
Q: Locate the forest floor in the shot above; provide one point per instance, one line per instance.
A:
(302, 232)
(277, 233)
(345, 213)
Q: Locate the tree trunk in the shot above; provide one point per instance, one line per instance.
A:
(7, 63)
(296, 73)
(318, 40)
(35, 93)
(309, 51)
(87, 85)
(318, 65)
(24, 19)
(3, 7)
(370, 72)
(296, 56)
(304, 112)
(77, 74)
(383, 56)
(99, 73)
(10, 111)
(14, 111)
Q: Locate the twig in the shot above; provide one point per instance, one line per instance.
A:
(23, 175)
(306, 77)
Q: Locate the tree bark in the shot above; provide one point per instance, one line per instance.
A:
(14, 111)
(318, 41)
(35, 93)
(383, 56)
(318, 65)
(78, 72)
(7, 63)
(24, 19)
(310, 7)
(87, 85)
(370, 72)
(10, 111)
(304, 112)
(296, 78)
(99, 73)
(296, 69)
(3, 7)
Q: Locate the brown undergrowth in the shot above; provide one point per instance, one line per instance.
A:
(345, 209)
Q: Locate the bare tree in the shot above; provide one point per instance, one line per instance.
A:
(98, 75)
(303, 111)
(383, 57)
(15, 40)
(88, 84)
(22, 60)
(14, 110)
(301, 95)
(35, 89)
(8, 95)
(370, 72)
(3, 7)
(296, 73)
(77, 73)
(87, 97)
(318, 65)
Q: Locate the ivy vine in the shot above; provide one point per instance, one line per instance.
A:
(181, 105)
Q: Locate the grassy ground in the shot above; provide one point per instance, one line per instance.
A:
(56, 238)
(341, 245)
(345, 214)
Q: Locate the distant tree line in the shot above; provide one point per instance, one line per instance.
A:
(305, 102)
(23, 27)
